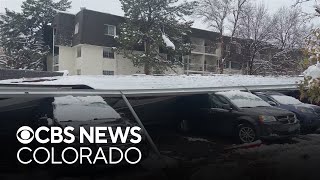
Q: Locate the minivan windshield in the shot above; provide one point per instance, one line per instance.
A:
(244, 99)
(288, 100)
(71, 108)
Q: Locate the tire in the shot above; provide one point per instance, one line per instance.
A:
(184, 126)
(246, 133)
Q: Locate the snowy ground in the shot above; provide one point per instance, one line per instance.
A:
(194, 158)
(160, 82)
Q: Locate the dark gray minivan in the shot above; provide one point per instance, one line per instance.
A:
(238, 114)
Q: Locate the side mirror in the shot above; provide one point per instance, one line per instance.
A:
(272, 103)
(227, 107)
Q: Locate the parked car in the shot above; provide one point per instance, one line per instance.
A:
(308, 114)
(239, 114)
(91, 111)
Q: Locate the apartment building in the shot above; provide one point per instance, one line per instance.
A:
(84, 45)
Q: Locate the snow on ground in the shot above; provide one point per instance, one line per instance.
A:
(159, 82)
(193, 139)
(304, 152)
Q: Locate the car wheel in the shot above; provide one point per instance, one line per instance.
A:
(184, 126)
(246, 133)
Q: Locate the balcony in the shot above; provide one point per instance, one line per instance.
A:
(201, 68)
(203, 49)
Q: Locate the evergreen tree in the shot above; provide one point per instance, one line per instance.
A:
(159, 29)
(25, 36)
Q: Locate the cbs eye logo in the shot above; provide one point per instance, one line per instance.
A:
(25, 135)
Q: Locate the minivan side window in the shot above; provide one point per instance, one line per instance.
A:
(218, 101)
(265, 98)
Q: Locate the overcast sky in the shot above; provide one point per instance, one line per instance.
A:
(114, 6)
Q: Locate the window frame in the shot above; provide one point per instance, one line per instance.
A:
(79, 52)
(106, 30)
(76, 28)
(108, 73)
(79, 72)
(108, 53)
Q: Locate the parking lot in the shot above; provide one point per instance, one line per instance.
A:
(198, 136)
(194, 157)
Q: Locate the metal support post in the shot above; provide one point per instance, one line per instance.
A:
(154, 147)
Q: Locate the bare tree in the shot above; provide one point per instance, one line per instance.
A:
(255, 28)
(237, 12)
(289, 30)
(215, 13)
(221, 15)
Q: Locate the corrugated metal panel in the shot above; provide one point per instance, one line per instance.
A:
(51, 91)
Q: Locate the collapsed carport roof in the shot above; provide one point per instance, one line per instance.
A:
(140, 85)
(123, 86)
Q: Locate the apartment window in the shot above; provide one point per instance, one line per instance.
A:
(108, 53)
(108, 73)
(78, 71)
(55, 68)
(110, 30)
(76, 29)
(78, 51)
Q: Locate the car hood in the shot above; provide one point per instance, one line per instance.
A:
(295, 107)
(311, 106)
(267, 111)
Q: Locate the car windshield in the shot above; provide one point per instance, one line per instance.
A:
(70, 108)
(244, 99)
(282, 99)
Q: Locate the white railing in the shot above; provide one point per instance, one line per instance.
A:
(202, 68)
(204, 49)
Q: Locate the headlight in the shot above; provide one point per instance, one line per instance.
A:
(305, 110)
(267, 118)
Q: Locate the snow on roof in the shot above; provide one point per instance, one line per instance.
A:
(70, 100)
(158, 82)
(286, 99)
(244, 99)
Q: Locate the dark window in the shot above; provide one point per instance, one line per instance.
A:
(76, 28)
(110, 30)
(108, 73)
(55, 68)
(108, 53)
(218, 101)
(78, 51)
(265, 98)
(78, 71)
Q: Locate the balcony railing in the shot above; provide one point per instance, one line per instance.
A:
(202, 68)
(204, 49)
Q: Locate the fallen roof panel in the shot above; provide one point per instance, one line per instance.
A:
(16, 91)
(158, 82)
